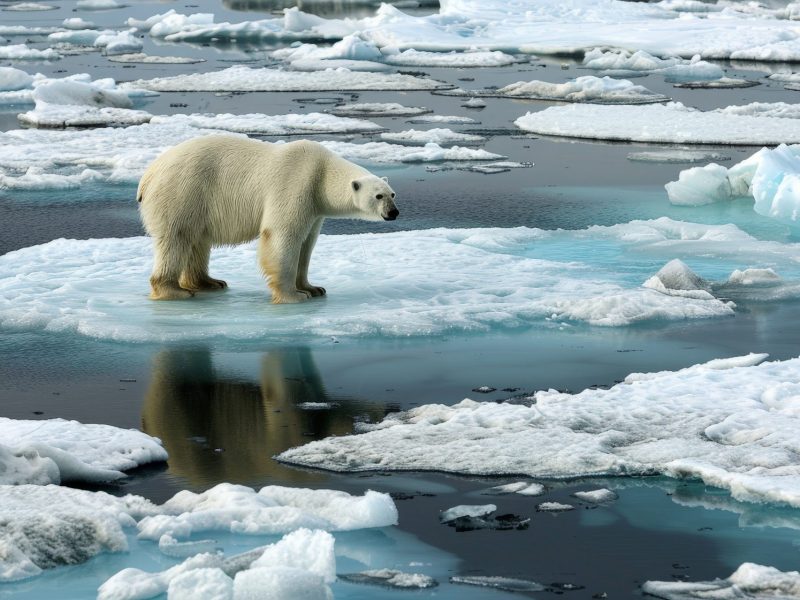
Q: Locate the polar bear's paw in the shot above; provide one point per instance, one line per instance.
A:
(313, 290)
(170, 293)
(290, 297)
(205, 284)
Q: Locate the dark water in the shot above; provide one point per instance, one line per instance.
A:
(224, 409)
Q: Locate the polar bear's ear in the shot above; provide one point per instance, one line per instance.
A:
(356, 185)
(386, 179)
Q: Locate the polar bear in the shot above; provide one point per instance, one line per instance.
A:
(225, 190)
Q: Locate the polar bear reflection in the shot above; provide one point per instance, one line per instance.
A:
(223, 427)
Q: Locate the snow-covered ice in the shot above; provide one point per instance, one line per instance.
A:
(273, 510)
(442, 119)
(524, 488)
(598, 496)
(391, 578)
(770, 176)
(416, 58)
(138, 57)
(18, 87)
(723, 83)
(704, 422)
(246, 79)
(624, 63)
(69, 115)
(781, 110)
(440, 136)
(23, 52)
(594, 90)
(676, 156)
(378, 109)
(671, 123)
(288, 124)
(676, 279)
(748, 581)
(29, 7)
(383, 152)
(466, 510)
(55, 450)
(553, 507)
(510, 584)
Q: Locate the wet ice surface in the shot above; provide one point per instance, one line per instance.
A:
(185, 391)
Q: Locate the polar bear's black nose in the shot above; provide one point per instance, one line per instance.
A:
(391, 215)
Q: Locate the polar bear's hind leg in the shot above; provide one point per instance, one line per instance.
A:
(278, 256)
(195, 275)
(169, 260)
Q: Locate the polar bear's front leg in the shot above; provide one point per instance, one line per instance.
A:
(278, 255)
(305, 258)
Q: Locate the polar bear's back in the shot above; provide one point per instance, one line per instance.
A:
(219, 186)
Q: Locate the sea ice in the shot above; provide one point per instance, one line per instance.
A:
(442, 119)
(674, 69)
(23, 52)
(98, 4)
(382, 152)
(98, 288)
(770, 177)
(288, 124)
(139, 57)
(763, 109)
(524, 488)
(208, 583)
(440, 136)
(553, 507)
(169, 546)
(753, 277)
(66, 115)
(671, 123)
(724, 83)
(704, 422)
(273, 510)
(246, 79)
(588, 88)
(378, 109)
(47, 526)
(466, 510)
(748, 581)
(12, 79)
(509, 584)
(121, 42)
(596, 496)
(79, 452)
(391, 578)
(676, 156)
(477, 58)
(474, 103)
(29, 7)
(77, 23)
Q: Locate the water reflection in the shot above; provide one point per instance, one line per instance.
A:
(221, 427)
(332, 8)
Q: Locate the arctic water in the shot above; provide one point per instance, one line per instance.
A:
(225, 405)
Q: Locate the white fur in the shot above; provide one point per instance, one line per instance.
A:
(221, 190)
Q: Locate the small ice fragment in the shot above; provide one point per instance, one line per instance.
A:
(553, 507)
(29, 7)
(169, 546)
(508, 584)
(466, 510)
(98, 4)
(676, 277)
(700, 185)
(378, 109)
(596, 496)
(139, 57)
(444, 119)
(208, 583)
(753, 277)
(676, 156)
(524, 488)
(474, 103)
(391, 578)
(484, 389)
(721, 83)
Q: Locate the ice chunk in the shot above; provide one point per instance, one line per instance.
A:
(443, 119)
(78, 37)
(721, 83)
(524, 488)
(169, 546)
(381, 152)
(289, 124)
(441, 136)
(208, 583)
(700, 185)
(48, 526)
(676, 278)
(466, 510)
(122, 42)
(29, 7)
(23, 52)
(764, 109)
(748, 581)
(508, 584)
(753, 277)
(474, 103)
(416, 58)
(391, 578)
(273, 510)
(553, 507)
(12, 79)
(139, 57)
(64, 91)
(77, 23)
(311, 551)
(378, 109)
(26, 465)
(677, 156)
(65, 115)
(597, 496)
(698, 422)
(583, 89)
(671, 123)
(674, 69)
(280, 583)
(246, 79)
(81, 452)
(98, 4)
(35, 178)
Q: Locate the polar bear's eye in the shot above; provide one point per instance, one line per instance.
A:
(379, 196)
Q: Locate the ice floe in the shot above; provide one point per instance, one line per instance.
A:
(246, 79)
(677, 279)
(139, 57)
(55, 450)
(18, 87)
(442, 119)
(46, 526)
(524, 488)
(378, 109)
(676, 156)
(29, 7)
(66, 115)
(553, 507)
(724, 83)
(671, 123)
(391, 578)
(119, 42)
(23, 52)
(600, 496)
(77, 23)
(625, 63)
(382, 152)
(98, 288)
(469, 59)
(748, 581)
(770, 176)
(288, 124)
(466, 510)
(588, 88)
(440, 136)
(98, 4)
(509, 584)
(780, 110)
(704, 422)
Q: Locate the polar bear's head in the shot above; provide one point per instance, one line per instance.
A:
(373, 198)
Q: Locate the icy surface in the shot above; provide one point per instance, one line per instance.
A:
(724, 83)
(241, 78)
(553, 507)
(209, 583)
(677, 279)
(98, 288)
(415, 58)
(748, 581)
(48, 526)
(29, 6)
(17, 87)
(770, 177)
(596, 496)
(510, 584)
(442, 119)
(705, 422)
(23, 52)
(57, 450)
(98, 4)
(382, 152)
(304, 549)
(622, 62)
(68, 115)
(169, 546)
(288, 124)
(676, 156)
(139, 57)
(392, 578)
(764, 109)
(466, 510)
(378, 109)
(525, 488)
(441, 136)
(273, 510)
(671, 123)
(588, 89)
